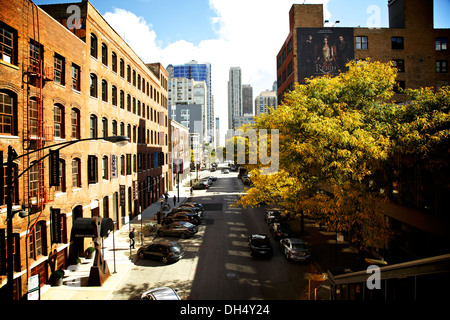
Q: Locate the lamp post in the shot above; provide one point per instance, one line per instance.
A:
(13, 156)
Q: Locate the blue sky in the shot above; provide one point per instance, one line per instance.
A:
(228, 33)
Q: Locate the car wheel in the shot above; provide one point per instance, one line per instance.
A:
(165, 260)
(183, 235)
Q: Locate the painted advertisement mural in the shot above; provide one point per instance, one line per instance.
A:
(323, 51)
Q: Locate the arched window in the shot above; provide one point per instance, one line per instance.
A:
(94, 46)
(75, 123)
(94, 90)
(104, 127)
(93, 126)
(114, 95)
(104, 54)
(58, 126)
(62, 176)
(76, 173)
(105, 168)
(7, 115)
(104, 90)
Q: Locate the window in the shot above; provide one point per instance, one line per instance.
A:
(8, 44)
(94, 46)
(37, 241)
(114, 62)
(7, 113)
(92, 169)
(128, 102)
(361, 43)
(34, 178)
(134, 78)
(441, 66)
(62, 176)
(76, 173)
(122, 68)
(93, 126)
(114, 95)
(397, 43)
(128, 164)
(105, 168)
(59, 65)
(75, 123)
(36, 55)
(122, 129)
(58, 116)
(94, 85)
(76, 77)
(104, 90)
(399, 64)
(122, 165)
(128, 73)
(129, 131)
(104, 54)
(122, 99)
(104, 127)
(441, 44)
(114, 128)
(33, 116)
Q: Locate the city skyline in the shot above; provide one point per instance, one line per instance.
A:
(177, 32)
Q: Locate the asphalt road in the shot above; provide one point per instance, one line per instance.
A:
(217, 264)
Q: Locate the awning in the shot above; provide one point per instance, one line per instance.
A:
(84, 227)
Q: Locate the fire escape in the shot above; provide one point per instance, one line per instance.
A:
(35, 133)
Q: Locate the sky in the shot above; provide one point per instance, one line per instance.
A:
(229, 33)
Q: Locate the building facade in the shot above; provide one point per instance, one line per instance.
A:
(180, 151)
(234, 95)
(199, 72)
(264, 101)
(61, 83)
(418, 207)
(247, 99)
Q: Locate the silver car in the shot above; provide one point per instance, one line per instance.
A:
(295, 249)
(163, 293)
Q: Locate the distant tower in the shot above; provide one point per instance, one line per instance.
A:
(234, 95)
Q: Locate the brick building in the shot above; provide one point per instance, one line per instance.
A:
(417, 49)
(419, 205)
(60, 84)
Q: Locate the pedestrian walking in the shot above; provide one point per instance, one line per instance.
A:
(174, 200)
(166, 197)
(132, 239)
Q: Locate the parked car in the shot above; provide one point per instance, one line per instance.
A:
(197, 205)
(166, 251)
(208, 180)
(295, 249)
(181, 216)
(259, 245)
(280, 230)
(200, 185)
(181, 229)
(163, 293)
(194, 210)
(213, 178)
(226, 171)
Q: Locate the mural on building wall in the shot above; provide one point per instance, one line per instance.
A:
(323, 51)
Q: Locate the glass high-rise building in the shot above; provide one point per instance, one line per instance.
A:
(198, 72)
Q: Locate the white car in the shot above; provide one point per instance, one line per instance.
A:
(295, 249)
(163, 293)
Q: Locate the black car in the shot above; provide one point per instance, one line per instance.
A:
(259, 245)
(193, 210)
(181, 229)
(166, 251)
(280, 230)
(181, 216)
(200, 185)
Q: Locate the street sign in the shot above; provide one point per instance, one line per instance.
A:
(33, 288)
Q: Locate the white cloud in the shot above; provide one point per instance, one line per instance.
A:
(249, 34)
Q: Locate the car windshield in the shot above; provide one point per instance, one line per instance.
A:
(298, 246)
(175, 249)
(186, 224)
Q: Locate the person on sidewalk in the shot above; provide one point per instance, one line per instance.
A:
(132, 239)
(174, 200)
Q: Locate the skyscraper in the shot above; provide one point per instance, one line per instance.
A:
(247, 99)
(198, 72)
(234, 95)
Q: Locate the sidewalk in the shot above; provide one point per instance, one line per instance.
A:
(116, 252)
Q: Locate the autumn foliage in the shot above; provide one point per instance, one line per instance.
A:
(337, 135)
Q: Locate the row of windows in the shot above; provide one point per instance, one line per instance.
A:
(118, 99)
(131, 75)
(397, 43)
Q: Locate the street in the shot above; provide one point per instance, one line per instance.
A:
(217, 264)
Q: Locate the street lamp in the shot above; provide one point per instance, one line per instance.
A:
(13, 156)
